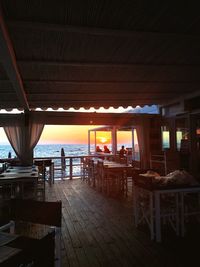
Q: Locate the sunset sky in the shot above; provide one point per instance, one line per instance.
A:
(68, 134)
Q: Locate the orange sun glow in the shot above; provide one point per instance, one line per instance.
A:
(103, 140)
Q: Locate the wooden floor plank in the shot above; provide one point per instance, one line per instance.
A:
(99, 231)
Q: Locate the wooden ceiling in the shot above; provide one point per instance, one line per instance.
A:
(97, 53)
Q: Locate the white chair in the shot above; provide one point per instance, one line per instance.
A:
(190, 208)
(156, 208)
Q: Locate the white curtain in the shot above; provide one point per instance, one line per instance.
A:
(23, 138)
(143, 141)
(15, 135)
(35, 131)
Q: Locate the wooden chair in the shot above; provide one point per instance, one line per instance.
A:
(48, 172)
(84, 169)
(115, 181)
(45, 169)
(100, 176)
(91, 173)
(38, 212)
(43, 177)
(40, 186)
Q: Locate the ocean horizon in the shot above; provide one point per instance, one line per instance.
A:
(54, 150)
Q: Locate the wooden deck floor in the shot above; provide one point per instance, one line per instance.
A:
(99, 231)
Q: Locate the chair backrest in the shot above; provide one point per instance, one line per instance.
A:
(47, 162)
(40, 165)
(136, 164)
(38, 162)
(34, 211)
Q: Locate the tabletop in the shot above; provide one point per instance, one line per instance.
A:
(12, 174)
(7, 253)
(5, 238)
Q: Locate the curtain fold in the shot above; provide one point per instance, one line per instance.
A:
(23, 138)
(14, 134)
(35, 131)
(143, 142)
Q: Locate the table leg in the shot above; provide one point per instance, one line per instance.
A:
(151, 215)
(157, 217)
(177, 215)
(182, 214)
(135, 204)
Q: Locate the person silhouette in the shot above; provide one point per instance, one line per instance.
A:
(98, 149)
(9, 155)
(122, 152)
(63, 162)
(106, 149)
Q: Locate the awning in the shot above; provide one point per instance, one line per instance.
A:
(54, 55)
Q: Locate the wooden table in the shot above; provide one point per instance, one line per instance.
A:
(6, 252)
(8, 256)
(6, 238)
(34, 244)
(114, 176)
(15, 179)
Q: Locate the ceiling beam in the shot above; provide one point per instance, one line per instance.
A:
(9, 63)
(49, 94)
(182, 98)
(98, 97)
(108, 83)
(104, 65)
(95, 31)
(90, 118)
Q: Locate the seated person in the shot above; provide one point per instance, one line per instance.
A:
(98, 149)
(106, 149)
(122, 152)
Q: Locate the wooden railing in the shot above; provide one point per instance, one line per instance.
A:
(73, 165)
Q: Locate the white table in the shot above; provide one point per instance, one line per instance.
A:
(153, 212)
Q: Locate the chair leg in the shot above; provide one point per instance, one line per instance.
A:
(58, 247)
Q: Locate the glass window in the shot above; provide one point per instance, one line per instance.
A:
(165, 137)
(182, 133)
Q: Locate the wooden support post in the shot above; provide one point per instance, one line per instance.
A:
(70, 169)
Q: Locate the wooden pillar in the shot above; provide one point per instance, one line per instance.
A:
(95, 140)
(89, 143)
(27, 155)
(194, 164)
(133, 144)
(172, 134)
(114, 141)
(70, 169)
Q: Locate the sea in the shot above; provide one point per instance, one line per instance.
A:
(54, 150)
(49, 150)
